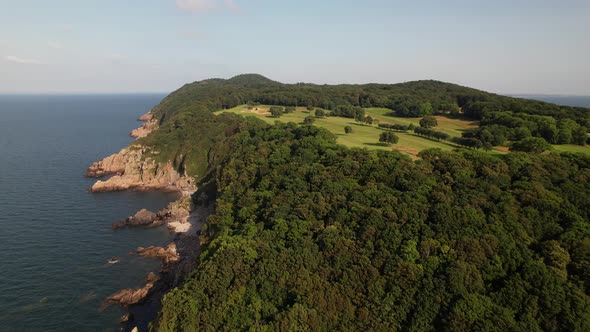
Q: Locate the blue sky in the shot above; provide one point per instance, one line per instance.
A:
(518, 46)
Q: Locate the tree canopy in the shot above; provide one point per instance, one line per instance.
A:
(308, 234)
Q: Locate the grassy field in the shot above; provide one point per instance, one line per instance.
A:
(571, 148)
(364, 135)
(368, 136)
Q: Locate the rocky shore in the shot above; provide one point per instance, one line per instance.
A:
(149, 125)
(132, 168)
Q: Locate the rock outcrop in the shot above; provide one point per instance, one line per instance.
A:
(142, 218)
(167, 254)
(129, 296)
(150, 123)
(134, 170)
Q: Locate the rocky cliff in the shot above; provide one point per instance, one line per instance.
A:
(132, 169)
(149, 125)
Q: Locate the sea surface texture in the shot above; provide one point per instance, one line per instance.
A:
(55, 236)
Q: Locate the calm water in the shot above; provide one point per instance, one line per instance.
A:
(582, 101)
(55, 237)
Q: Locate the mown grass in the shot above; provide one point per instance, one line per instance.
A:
(366, 136)
(572, 148)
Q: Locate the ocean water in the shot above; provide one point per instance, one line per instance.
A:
(581, 101)
(55, 236)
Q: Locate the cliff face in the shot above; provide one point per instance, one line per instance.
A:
(133, 170)
(149, 125)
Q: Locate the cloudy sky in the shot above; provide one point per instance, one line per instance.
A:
(92, 46)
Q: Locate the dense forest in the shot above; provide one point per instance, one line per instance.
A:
(307, 234)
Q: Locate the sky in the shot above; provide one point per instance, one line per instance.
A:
(123, 46)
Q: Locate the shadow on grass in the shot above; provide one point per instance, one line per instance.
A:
(378, 144)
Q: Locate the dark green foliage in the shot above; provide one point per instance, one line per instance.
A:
(472, 143)
(290, 109)
(394, 126)
(428, 122)
(388, 138)
(530, 144)
(495, 135)
(309, 119)
(309, 235)
(347, 129)
(580, 135)
(320, 113)
(276, 111)
(432, 133)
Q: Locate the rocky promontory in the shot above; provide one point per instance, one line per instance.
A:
(149, 124)
(132, 169)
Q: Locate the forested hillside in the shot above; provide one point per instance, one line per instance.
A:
(307, 234)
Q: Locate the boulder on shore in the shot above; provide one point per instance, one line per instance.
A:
(168, 254)
(142, 218)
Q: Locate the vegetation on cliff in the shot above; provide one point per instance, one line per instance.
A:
(309, 234)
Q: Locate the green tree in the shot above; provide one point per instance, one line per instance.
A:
(320, 113)
(388, 138)
(530, 144)
(428, 122)
(348, 129)
(580, 135)
(276, 111)
(309, 120)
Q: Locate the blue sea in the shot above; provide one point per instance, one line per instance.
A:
(55, 236)
(581, 101)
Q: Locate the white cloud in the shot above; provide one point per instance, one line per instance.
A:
(20, 60)
(55, 45)
(206, 5)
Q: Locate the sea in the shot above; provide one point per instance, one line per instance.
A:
(580, 101)
(55, 236)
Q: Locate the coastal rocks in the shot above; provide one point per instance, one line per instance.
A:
(135, 171)
(142, 218)
(148, 126)
(168, 254)
(128, 296)
(112, 164)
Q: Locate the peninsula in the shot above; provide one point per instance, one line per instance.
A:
(415, 206)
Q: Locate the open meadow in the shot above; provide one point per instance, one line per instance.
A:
(367, 136)
(364, 135)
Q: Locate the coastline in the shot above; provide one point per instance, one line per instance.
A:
(131, 169)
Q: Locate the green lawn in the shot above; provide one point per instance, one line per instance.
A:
(572, 148)
(368, 136)
(362, 135)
